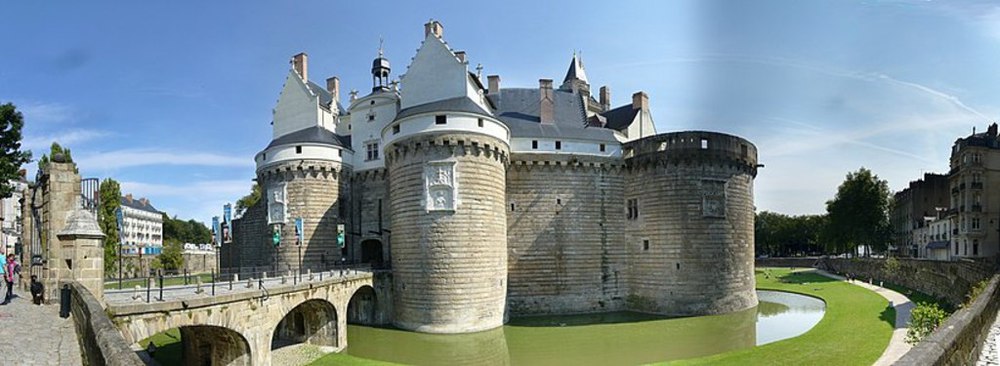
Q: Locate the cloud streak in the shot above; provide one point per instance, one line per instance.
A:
(66, 138)
(128, 158)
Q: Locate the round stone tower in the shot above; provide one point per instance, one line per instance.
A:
(449, 229)
(690, 223)
(304, 175)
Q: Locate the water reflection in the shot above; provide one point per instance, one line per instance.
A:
(620, 338)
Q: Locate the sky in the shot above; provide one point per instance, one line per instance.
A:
(173, 99)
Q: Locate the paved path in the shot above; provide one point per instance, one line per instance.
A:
(36, 335)
(897, 344)
(989, 355)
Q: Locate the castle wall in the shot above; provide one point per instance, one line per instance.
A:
(565, 234)
(370, 216)
(691, 242)
(449, 260)
(317, 191)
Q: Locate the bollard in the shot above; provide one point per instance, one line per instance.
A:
(263, 276)
(197, 283)
(249, 282)
(135, 293)
(64, 301)
(309, 273)
(236, 277)
(284, 280)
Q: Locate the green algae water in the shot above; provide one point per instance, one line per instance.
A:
(620, 338)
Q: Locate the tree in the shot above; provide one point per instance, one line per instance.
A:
(111, 194)
(249, 200)
(172, 256)
(859, 214)
(11, 156)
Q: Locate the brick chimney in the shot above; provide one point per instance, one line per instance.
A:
(144, 201)
(333, 86)
(128, 198)
(300, 63)
(494, 84)
(992, 130)
(433, 27)
(547, 99)
(460, 55)
(640, 101)
(605, 98)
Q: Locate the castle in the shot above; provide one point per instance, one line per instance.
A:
(485, 202)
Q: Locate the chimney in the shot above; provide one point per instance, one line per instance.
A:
(128, 197)
(494, 84)
(460, 55)
(433, 27)
(605, 98)
(546, 112)
(333, 86)
(144, 201)
(640, 101)
(301, 65)
(992, 130)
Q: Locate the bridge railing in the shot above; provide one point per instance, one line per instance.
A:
(162, 287)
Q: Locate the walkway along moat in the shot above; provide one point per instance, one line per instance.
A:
(610, 338)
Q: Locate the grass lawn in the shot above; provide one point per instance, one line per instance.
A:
(854, 331)
(168, 347)
(346, 360)
(167, 281)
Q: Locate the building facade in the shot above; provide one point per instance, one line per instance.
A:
(975, 183)
(142, 227)
(10, 217)
(487, 202)
(911, 206)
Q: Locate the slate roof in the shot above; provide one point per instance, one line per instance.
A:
(324, 96)
(937, 245)
(575, 70)
(459, 104)
(519, 109)
(620, 118)
(314, 134)
(137, 204)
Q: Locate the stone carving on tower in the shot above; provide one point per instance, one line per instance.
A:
(276, 207)
(713, 194)
(440, 186)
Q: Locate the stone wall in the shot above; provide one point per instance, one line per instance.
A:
(803, 262)
(370, 217)
(318, 192)
(959, 340)
(252, 244)
(564, 235)
(450, 262)
(691, 235)
(100, 342)
(947, 280)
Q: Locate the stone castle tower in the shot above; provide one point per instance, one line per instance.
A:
(486, 202)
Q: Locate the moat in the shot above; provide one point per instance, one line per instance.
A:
(609, 338)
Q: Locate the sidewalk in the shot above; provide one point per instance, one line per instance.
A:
(36, 335)
(897, 344)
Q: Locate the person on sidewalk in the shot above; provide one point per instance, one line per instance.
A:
(9, 272)
(3, 269)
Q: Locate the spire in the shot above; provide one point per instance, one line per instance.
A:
(576, 77)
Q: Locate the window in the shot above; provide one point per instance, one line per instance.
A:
(395, 129)
(558, 201)
(602, 147)
(348, 126)
(975, 247)
(558, 145)
(480, 122)
(371, 117)
(632, 206)
(512, 207)
(956, 248)
(704, 143)
(263, 156)
(372, 151)
(975, 223)
(645, 244)
(340, 153)
(440, 119)
(298, 149)
(534, 144)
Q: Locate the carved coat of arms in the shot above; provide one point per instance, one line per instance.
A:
(440, 186)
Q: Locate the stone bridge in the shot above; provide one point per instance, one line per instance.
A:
(240, 326)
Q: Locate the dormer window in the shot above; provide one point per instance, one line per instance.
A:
(558, 145)
(440, 119)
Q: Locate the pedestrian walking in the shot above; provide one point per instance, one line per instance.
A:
(11, 269)
(3, 270)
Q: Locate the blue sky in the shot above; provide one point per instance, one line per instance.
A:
(173, 99)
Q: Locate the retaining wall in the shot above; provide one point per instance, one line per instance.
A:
(947, 280)
(100, 342)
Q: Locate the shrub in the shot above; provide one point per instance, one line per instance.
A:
(974, 292)
(924, 319)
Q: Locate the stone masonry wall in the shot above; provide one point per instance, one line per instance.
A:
(565, 235)
(318, 192)
(252, 245)
(449, 267)
(948, 280)
(100, 342)
(370, 198)
(691, 243)
(60, 193)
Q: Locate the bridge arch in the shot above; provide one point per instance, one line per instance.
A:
(213, 345)
(363, 306)
(313, 321)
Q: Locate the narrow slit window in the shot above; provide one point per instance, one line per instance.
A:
(534, 144)
(298, 149)
(395, 129)
(511, 207)
(480, 122)
(558, 145)
(645, 244)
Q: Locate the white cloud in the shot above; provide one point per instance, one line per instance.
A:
(127, 158)
(67, 138)
(36, 112)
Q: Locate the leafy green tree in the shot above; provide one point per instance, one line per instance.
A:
(171, 258)
(190, 231)
(249, 200)
(859, 214)
(924, 319)
(11, 156)
(110, 194)
(777, 234)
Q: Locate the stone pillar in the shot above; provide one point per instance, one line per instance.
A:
(447, 195)
(60, 185)
(82, 251)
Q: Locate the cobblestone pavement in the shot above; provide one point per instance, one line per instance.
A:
(184, 292)
(897, 344)
(989, 356)
(36, 335)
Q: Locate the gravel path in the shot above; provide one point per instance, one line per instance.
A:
(36, 335)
